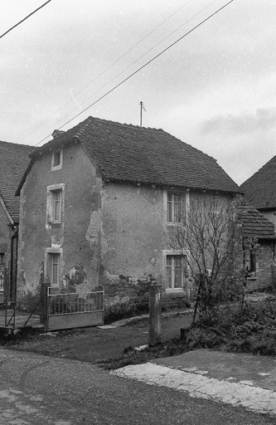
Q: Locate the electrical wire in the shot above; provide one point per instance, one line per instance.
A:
(137, 60)
(23, 20)
(114, 63)
(144, 54)
(142, 67)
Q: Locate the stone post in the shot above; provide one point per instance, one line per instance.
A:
(154, 313)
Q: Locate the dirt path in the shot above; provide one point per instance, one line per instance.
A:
(94, 344)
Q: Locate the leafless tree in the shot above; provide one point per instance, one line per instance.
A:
(210, 234)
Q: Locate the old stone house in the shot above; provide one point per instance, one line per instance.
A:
(14, 159)
(259, 248)
(96, 203)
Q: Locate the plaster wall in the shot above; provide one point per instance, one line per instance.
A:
(133, 220)
(74, 238)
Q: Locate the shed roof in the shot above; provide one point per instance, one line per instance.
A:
(14, 159)
(254, 224)
(129, 153)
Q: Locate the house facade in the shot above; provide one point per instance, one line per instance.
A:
(14, 159)
(97, 204)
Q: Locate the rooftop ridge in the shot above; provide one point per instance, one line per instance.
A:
(16, 144)
(119, 124)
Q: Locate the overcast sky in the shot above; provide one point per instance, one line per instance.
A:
(215, 89)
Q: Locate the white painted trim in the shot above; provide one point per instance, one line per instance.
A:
(47, 253)
(49, 203)
(6, 211)
(165, 207)
(166, 252)
(59, 166)
(185, 199)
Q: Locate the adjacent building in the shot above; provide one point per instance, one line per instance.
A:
(260, 190)
(259, 248)
(14, 159)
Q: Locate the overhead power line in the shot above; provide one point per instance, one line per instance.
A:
(20, 22)
(114, 63)
(142, 67)
(136, 60)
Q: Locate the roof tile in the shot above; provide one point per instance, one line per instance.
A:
(14, 159)
(260, 189)
(136, 154)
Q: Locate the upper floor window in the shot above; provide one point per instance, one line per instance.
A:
(56, 200)
(55, 203)
(57, 160)
(175, 207)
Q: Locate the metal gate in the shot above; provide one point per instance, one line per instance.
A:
(74, 310)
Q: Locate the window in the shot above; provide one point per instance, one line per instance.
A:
(175, 207)
(251, 262)
(176, 271)
(57, 160)
(53, 265)
(56, 200)
(55, 269)
(55, 203)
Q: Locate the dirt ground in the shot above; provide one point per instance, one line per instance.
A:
(95, 344)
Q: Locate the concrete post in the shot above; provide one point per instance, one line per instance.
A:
(154, 313)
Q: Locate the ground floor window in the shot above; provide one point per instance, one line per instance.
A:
(251, 261)
(55, 269)
(176, 267)
(53, 266)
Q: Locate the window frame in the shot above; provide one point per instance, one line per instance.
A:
(184, 254)
(58, 166)
(184, 205)
(51, 217)
(50, 254)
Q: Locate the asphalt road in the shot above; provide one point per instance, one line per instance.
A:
(39, 390)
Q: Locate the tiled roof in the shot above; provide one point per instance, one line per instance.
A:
(260, 189)
(254, 224)
(135, 154)
(14, 160)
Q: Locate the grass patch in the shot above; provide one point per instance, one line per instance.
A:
(251, 329)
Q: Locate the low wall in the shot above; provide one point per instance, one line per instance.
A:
(125, 297)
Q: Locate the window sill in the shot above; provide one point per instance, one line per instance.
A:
(175, 292)
(55, 224)
(56, 168)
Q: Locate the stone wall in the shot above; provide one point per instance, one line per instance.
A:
(265, 259)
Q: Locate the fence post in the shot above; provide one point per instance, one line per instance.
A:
(154, 313)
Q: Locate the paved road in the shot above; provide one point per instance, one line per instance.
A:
(35, 389)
